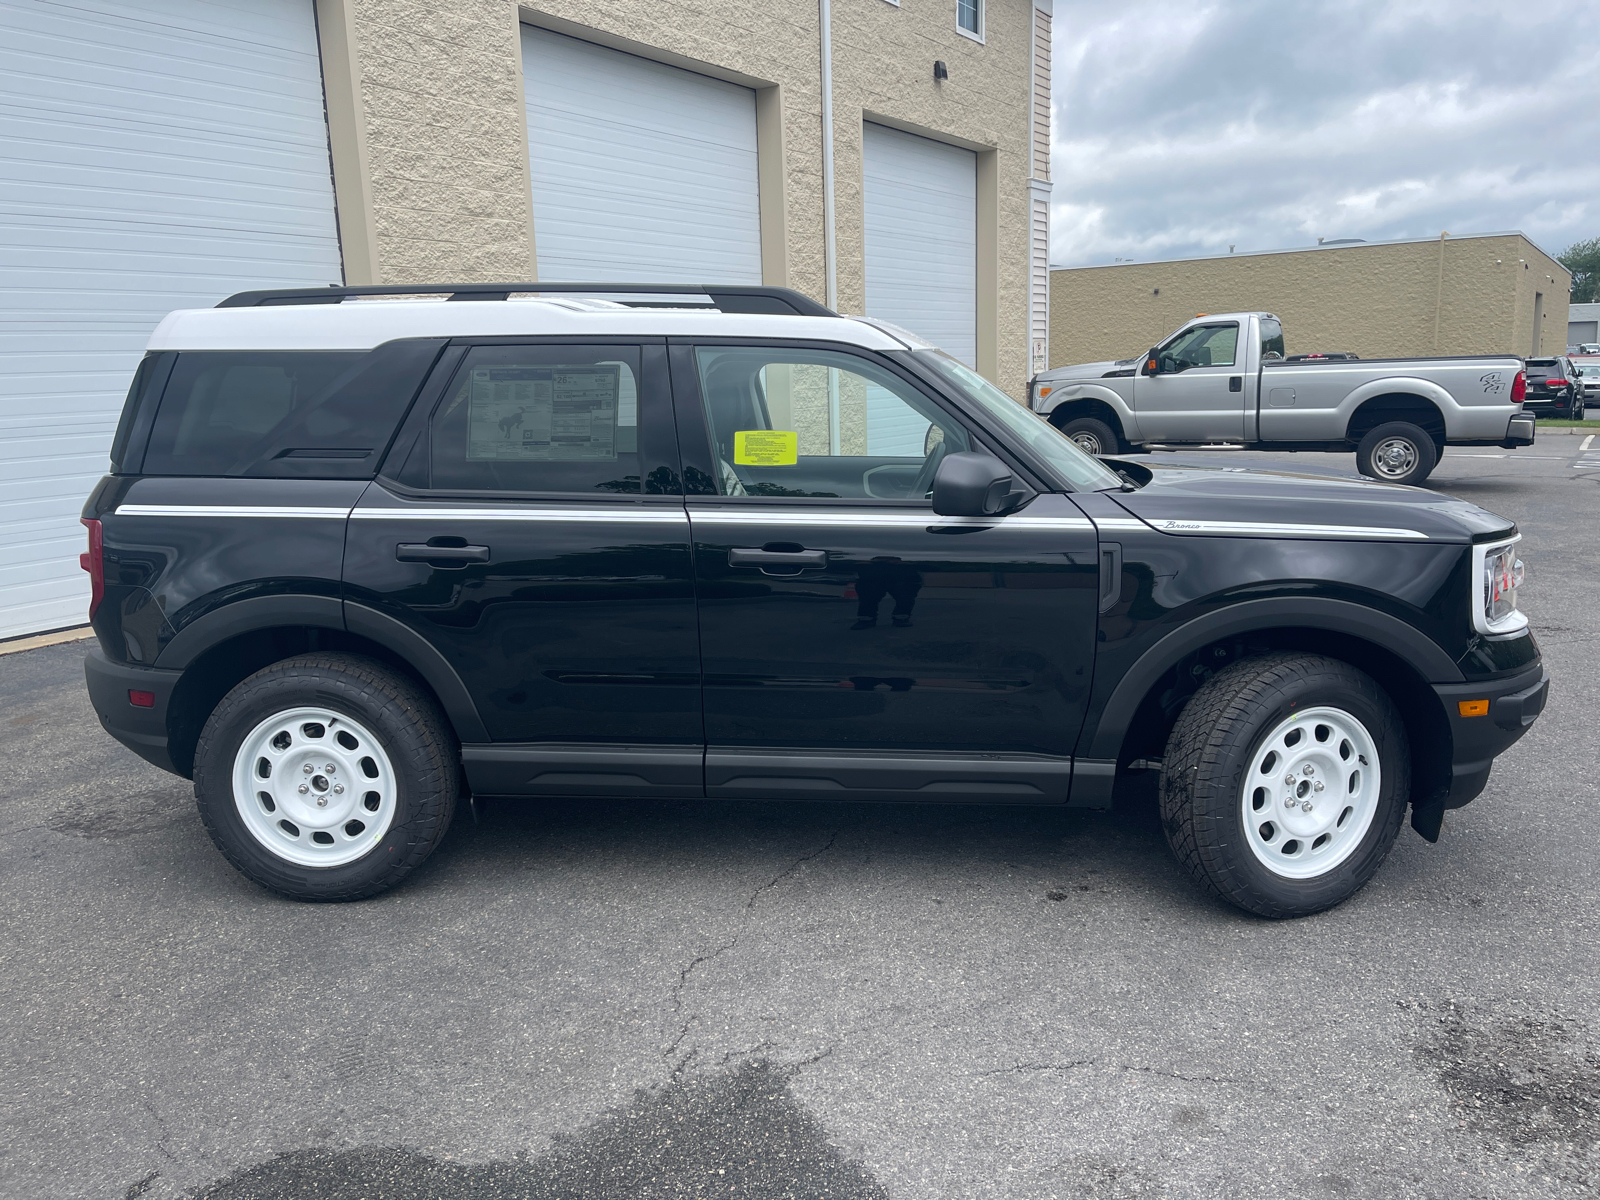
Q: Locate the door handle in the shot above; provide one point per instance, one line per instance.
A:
(440, 556)
(1236, 383)
(774, 562)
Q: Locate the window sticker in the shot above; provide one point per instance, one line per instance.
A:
(766, 448)
(543, 414)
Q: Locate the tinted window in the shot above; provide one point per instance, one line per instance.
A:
(540, 419)
(285, 413)
(1544, 370)
(818, 423)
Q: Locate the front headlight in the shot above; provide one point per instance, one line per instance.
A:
(1499, 574)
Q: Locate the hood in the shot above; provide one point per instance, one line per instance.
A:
(1094, 370)
(1239, 502)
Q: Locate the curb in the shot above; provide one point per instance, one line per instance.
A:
(38, 640)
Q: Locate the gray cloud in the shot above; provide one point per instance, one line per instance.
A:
(1183, 127)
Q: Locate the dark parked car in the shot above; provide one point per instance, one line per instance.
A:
(1555, 388)
(355, 560)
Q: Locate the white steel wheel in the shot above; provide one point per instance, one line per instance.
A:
(1311, 792)
(314, 787)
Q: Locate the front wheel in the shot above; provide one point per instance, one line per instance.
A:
(1397, 452)
(1091, 435)
(1285, 782)
(326, 777)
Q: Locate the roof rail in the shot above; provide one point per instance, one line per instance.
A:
(728, 298)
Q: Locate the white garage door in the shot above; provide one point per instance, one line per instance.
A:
(921, 200)
(921, 230)
(641, 172)
(154, 154)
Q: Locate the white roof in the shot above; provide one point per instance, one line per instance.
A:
(361, 325)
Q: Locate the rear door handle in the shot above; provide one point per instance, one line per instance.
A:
(440, 556)
(778, 562)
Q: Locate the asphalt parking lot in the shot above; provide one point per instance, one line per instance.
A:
(812, 1001)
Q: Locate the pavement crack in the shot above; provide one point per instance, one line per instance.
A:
(791, 869)
(1025, 1068)
(677, 1002)
(140, 1186)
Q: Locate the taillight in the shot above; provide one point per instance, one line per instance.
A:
(94, 562)
(1519, 388)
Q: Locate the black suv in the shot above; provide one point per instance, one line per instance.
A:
(1555, 388)
(358, 556)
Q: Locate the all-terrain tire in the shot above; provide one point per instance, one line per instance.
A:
(1216, 744)
(1397, 452)
(420, 781)
(1091, 435)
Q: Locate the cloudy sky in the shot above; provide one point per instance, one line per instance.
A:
(1183, 127)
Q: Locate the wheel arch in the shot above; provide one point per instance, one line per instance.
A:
(1144, 706)
(1090, 406)
(1416, 402)
(219, 650)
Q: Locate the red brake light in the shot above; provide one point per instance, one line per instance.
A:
(94, 562)
(1519, 388)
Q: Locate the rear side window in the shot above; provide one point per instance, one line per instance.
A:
(1271, 340)
(285, 413)
(543, 418)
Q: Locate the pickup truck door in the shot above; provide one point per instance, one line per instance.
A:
(1199, 393)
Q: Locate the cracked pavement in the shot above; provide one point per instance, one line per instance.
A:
(721, 1000)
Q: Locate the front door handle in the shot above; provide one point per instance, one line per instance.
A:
(1236, 383)
(778, 562)
(440, 556)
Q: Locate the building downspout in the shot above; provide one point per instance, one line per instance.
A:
(829, 250)
(1438, 291)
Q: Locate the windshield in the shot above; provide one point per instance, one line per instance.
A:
(1082, 471)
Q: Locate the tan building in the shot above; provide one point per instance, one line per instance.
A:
(1482, 294)
(476, 140)
(883, 156)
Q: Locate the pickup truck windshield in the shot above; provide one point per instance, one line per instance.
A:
(1084, 472)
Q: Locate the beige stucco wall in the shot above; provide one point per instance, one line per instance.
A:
(436, 125)
(1378, 300)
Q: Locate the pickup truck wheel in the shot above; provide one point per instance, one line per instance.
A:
(1285, 782)
(1091, 435)
(1397, 452)
(326, 777)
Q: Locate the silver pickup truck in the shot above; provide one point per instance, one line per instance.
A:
(1223, 378)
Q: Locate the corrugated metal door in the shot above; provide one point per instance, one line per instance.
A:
(641, 172)
(921, 201)
(154, 154)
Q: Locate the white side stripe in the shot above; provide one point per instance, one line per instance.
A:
(881, 520)
(619, 514)
(1259, 529)
(226, 510)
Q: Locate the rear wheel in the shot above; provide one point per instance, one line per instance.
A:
(1397, 452)
(1091, 435)
(326, 777)
(1285, 782)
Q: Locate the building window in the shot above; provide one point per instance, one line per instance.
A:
(969, 17)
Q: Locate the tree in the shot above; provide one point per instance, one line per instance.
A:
(1583, 260)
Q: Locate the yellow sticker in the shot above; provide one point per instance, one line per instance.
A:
(766, 448)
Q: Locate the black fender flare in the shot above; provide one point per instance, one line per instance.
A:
(245, 616)
(1404, 641)
(434, 667)
(329, 612)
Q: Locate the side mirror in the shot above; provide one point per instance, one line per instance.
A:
(973, 485)
(1152, 363)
